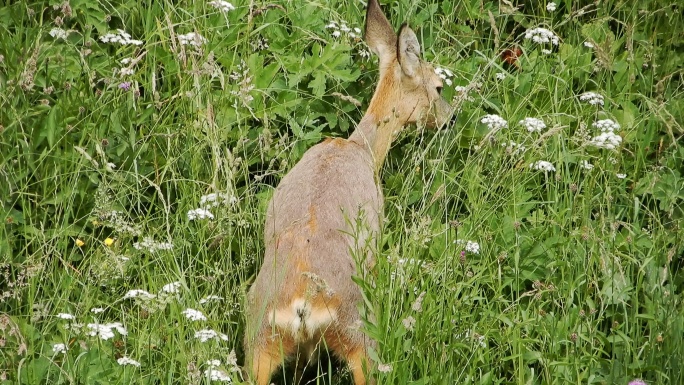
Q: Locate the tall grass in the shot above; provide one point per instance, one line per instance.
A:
(491, 271)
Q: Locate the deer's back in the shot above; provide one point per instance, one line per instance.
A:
(327, 205)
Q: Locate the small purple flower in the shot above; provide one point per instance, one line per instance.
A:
(637, 382)
(125, 86)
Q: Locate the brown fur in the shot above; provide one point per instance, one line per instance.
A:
(304, 294)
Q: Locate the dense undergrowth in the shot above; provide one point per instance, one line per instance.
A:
(140, 142)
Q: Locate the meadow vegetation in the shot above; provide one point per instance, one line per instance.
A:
(537, 240)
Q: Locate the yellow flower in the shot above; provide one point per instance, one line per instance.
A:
(79, 242)
(108, 242)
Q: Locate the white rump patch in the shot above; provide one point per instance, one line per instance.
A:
(301, 320)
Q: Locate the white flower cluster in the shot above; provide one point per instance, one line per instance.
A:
(219, 375)
(59, 33)
(586, 165)
(106, 331)
(120, 37)
(541, 35)
(533, 124)
(149, 244)
(210, 201)
(66, 316)
(194, 315)
(59, 348)
(494, 122)
(445, 74)
(205, 335)
(194, 39)
(200, 214)
(542, 165)
(123, 361)
(470, 246)
(171, 288)
(500, 75)
(551, 7)
(222, 5)
(621, 176)
(343, 28)
(216, 199)
(606, 125)
(592, 98)
(608, 139)
(139, 293)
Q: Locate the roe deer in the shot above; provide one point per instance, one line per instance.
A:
(304, 295)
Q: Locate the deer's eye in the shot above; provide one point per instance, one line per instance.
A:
(439, 90)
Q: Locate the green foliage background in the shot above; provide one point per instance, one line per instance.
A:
(579, 276)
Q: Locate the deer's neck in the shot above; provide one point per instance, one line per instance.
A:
(379, 125)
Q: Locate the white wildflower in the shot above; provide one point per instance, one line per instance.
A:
(608, 140)
(205, 335)
(171, 287)
(106, 331)
(222, 6)
(139, 293)
(214, 374)
(59, 348)
(126, 72)
(59, 33)
(194, 315)
(97, 310)
(542, 165)
(592, 98)
(586, 165)
(199, 214)
(621, 176)
(541, 35)
(214, 363)
(149, 244)
(500, 75)
(588, 44)
(216, 199)
(66, 316)
(606, 125)
(384, 368)
(194, 39)
(120, 37)
(494, 122)
(445, 74)
(470, 246)
(123, 361)
(546, 51)
(551, 7)
(210, 298)
(343, 28)
(533, 124)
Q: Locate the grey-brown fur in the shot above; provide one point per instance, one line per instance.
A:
(329, 204)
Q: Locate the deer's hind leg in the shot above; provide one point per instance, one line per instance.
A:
(351, 347)
(266, 356)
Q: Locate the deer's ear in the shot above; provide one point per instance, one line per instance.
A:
(409, 51)
(379, 34)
